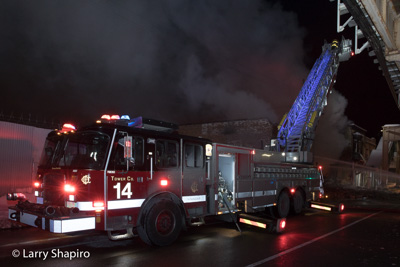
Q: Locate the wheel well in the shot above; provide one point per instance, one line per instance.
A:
(150, 201)
(287, 191)
(303, 192)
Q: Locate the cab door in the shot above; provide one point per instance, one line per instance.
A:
(194, 178)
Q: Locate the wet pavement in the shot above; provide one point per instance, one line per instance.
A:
(361, 236)
(365, 234)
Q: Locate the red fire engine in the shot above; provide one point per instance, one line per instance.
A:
(140, 177)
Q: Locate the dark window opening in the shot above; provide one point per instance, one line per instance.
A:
(166, 154)
(119, 162)
(194, 156)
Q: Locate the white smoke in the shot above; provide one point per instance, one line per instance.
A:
(330, 140)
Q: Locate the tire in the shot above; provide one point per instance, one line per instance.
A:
(298, 202)
(283, 205)
(163, 223)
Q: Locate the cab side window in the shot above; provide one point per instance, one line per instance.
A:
(194, 156)
(167, 155)
(118, 162)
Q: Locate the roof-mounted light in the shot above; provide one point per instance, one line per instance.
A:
(125, 117)
(67, 127)
(106, 117)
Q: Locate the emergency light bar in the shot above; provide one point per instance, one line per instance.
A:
(139, 122)
(67, 127)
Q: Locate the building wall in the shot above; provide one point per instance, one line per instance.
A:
(360, 145)
(391, 147)
(20, 151)
(247, 133)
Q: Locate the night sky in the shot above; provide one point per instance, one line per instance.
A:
(180, 61)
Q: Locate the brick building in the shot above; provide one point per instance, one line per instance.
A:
(248, 133)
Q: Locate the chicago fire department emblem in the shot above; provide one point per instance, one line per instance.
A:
(194, 187)
(86, 179)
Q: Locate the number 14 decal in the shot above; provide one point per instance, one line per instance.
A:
(127, 191)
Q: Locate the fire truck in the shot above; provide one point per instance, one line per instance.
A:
(140, 177)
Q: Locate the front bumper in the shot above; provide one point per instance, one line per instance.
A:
(62, 224)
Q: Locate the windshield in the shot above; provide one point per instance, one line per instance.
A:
(85, 150)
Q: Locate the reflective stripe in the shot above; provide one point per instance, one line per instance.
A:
(124, 204)
(320, 207)
(256, 194)
(263, 206)
(72, 225)
(254, 223)
(244, 194)
(265, 193)
(112, 204)
(83, 205)
(63, 225)
(192, 199)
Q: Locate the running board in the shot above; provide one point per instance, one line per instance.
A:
(326, 206)
(199, 222)
(272, 225)
(115, 237)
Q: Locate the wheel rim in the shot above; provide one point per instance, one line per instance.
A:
(165, 222)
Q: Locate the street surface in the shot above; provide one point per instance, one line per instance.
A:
(357, 237)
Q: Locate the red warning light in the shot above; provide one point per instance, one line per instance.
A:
(128, 143)
(69, 188)
(352, 53)
(283, 224)
(67, 127)
(164, 182)
(98, 206)
(341, 207)
(292, 190)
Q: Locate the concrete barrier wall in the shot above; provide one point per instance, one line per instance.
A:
(20, 151)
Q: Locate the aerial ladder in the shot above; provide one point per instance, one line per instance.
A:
(296, 131)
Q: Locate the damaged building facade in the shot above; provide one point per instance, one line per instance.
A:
(256, 133)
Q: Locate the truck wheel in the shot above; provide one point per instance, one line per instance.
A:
(163, 223)
(283, 205)
(298, 202)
